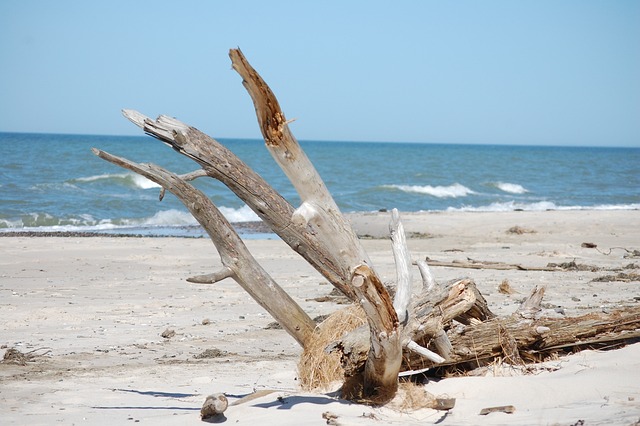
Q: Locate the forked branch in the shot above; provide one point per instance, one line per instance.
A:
(236, 258)
(221, 164)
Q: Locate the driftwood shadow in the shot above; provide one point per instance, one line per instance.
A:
(154, 394)
(285, 403)
(157, 394)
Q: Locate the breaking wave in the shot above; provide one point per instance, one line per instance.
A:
(452, 191)
(511, 188)
(539, 206)
(43, 222)
(131, 180)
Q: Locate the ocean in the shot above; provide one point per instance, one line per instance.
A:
(53, 183)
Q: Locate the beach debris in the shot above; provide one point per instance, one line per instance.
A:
(213, 407)
(630, 253)
(419, 235)
(369, 415)
(501, 266)
(509, 409)
(211, 353)
(335, 296)
(206, 321)
(168, 333)
(573, 266)
(273, 325)
(621, 277)
(252, 396)
(444, 404)
(505, 287)
(518, 230)
(14, 356)
(479, 264)
(330, 417)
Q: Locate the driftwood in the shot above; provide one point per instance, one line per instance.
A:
(238, 262)
(501, 266)
(417, 328)
(529, 335)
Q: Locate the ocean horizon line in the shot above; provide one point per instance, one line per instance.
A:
(338, 141)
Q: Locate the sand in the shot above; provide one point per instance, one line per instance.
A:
(93, 311)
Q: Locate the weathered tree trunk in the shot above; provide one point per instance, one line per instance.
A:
(398, 329)
(479, 337)
(320, 215)
(535, 338)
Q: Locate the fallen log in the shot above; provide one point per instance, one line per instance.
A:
(501, 266)
(528, 335)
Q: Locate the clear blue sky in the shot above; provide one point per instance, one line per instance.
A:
(507, 72)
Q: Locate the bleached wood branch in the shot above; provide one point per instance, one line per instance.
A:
(413, 372)
(443, 345)
(319, 212)
(402, 260)
(320, 215)
(428, 282)
(187, 177)
(233, 253)
(424, 352)
(531, 305)
(221, 164)
(213, 277)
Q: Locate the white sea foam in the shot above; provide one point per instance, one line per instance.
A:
(243, 214)
(511, 188)
(97, 177)
(539, 206)
(143, 182)
(129, 179)
(175, 217)
(451, 191)
(635, 206)
(507, 207)
(170, 217)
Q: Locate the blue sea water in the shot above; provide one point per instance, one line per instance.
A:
(51, 182)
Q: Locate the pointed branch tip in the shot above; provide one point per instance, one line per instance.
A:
(422, 351)
(135, 117)
(212, 278)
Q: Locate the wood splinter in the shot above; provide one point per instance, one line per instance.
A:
(509, 409)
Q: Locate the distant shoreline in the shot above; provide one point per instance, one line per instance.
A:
(243, 228)
(368, 225)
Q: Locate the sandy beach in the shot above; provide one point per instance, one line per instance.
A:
(92, 312)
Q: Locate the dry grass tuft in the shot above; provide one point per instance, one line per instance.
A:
(518, 230)
(318, 369)
(505, 287)
(412, 396)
